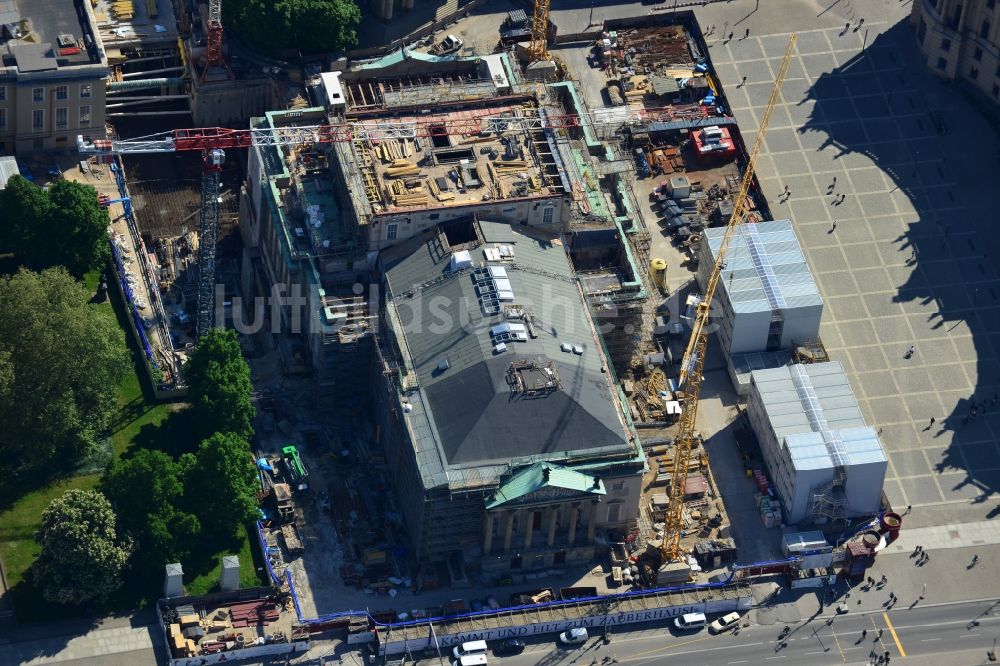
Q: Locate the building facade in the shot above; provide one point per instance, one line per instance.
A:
(824, 461)
(960, 39)
(52, 79)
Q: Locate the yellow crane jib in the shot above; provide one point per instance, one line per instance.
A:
(692, 366)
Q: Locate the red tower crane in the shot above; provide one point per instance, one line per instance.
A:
(214, 141)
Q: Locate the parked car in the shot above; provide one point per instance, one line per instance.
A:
(724, 623)
(690, 621)
(509, 647)
(576, 636)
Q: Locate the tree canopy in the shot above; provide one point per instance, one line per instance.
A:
(61, 360)
(64, 226)
(219, 381)
(83, 556)
(307, 26)
(222, 485)
(147, 490)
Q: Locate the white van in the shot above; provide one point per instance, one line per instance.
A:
(470, 648)
(690, 621)
(470, 660)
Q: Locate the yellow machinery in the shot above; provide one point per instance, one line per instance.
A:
(693, 363)
(539, 48)
(658, 273)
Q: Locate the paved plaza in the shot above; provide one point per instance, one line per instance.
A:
(905, 259)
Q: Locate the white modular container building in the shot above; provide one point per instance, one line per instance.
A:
(824, 461)
(767, 297)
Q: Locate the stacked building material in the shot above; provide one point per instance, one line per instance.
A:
(252, 613)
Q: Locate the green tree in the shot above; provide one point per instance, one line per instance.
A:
(83, 556)
(307, 26)
(222, 484)
(65, 226)
(146, 490)
(61, 360)
(219, 385)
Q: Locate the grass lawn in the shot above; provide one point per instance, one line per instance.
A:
(248, 549)
(138, 423)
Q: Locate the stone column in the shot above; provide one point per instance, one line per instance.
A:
(488, 534)
(591, 522)
(553, 518)
(508, 530)
(571, 532)
(529, 525)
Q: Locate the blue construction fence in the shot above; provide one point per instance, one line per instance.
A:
(329, 617)
(121, 272)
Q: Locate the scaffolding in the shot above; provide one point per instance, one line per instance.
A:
(828, 502)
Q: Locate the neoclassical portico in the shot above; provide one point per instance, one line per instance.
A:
(544, 515)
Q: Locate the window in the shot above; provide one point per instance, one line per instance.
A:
(614, 513)
(3, 93)
(974, 73)
(946, 44)
(38, 119)
(62, 117)
(3, 118)
(547, 214)
(62, 92)
(984, 30)
(977, 54)
(85, 89)
(38, 94)
(390, 232)
(942, 64)
(85, 116)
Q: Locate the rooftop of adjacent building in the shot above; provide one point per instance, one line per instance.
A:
(47, 35)
(494, 321)
(812, 410)
(302, 188)
(464, 161)
(766, 269)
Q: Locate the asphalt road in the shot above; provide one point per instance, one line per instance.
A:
(963, 631)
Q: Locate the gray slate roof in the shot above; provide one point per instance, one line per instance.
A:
(470, 417)
(765, 268)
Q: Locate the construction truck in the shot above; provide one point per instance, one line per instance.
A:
(296, 471)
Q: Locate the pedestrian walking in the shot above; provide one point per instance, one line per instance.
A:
(909, 507)
(923, 591)
(787, 191)
(834, 227)
(746, 34)
(743, 82)
(864, 633)
(847, 26)
(730, 37)
(880, 633)
(880, 432)
(884, 579)
(871, 581)
(975, 560)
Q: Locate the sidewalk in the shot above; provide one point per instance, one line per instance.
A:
(99, 643)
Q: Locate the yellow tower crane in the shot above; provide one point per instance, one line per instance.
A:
(693, 363)
(539, 48)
